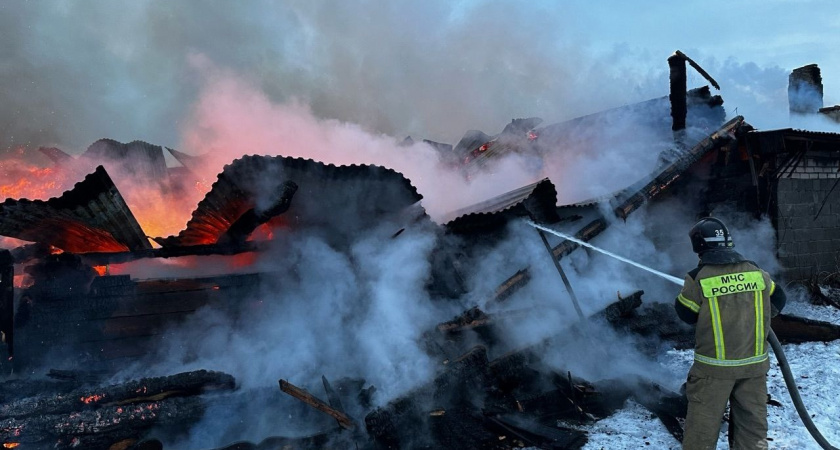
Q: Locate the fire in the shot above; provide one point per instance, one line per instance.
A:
(474, 154)
(101, 270)
(22, 281)
(11, 444)
(157, 213)
(92, 398)
(244, 259)
(24, 180)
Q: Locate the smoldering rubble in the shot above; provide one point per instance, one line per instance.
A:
(312, 305)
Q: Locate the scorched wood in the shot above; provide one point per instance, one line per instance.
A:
(794, 330)
(343, 419)
(99, 428)
(143, 390)
(520, 278)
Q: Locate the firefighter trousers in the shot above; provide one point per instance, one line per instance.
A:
(707, 398)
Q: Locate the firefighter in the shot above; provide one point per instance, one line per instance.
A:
(731, 301)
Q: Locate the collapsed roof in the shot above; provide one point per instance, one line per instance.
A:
(91, 217)
(346, 195)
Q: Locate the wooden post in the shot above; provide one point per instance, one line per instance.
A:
(562, 275)
(7, 296)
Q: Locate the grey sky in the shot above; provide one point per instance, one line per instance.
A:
(73, 72)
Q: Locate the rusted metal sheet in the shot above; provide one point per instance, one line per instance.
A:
(537, 201)
(345, 197)
(91, 217)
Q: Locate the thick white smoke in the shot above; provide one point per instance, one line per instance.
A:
(344, 83)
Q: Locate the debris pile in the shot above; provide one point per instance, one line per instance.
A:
(64, 305)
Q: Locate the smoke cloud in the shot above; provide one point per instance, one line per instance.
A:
(344, 83)
(81, 71)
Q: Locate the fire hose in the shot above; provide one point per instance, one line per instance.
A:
(794, 392)
(771, 338)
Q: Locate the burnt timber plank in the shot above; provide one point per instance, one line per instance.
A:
(135, 391)
(793, 329)
(345, 421)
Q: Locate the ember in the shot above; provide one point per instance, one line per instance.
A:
(25, 181)
(92, 398)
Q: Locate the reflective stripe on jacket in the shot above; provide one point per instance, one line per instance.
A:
(732, 303)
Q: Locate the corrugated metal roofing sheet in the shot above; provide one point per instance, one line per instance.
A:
(137, 158)
(798, 132)
(345, 197)
(91, 217)
(534, 200)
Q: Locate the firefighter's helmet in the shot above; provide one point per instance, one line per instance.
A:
(710, 234)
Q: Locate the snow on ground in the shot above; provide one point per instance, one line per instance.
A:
(815, 365)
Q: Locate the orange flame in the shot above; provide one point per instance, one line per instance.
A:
(92, 398)
(25, 180)
(11, 444)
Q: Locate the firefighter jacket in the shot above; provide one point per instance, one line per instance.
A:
(731, 305)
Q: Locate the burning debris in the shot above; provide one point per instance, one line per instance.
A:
(100, 418)
(84, 311)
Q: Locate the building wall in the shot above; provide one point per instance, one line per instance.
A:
(808, 242)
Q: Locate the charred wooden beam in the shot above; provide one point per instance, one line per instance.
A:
(540, 435)
(520, 278)
(793, 330)
(333, 398)
(301, 394)
(320, 440)
(407, 417)
(104, 258)
(465, 428)
(78, 376)
(465, 371)
(624, 307)
(636, 195)
(512, 284)
(136, 391)
(660, 321)
(100, 428)
(254, 217)
(7, 297)
(471, 318)
(669, 407)
(474, 318)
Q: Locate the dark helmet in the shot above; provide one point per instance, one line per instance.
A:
(709, 234)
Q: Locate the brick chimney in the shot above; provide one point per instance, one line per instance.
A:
(805, 90)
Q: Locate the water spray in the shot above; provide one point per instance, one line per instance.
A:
(771, 337)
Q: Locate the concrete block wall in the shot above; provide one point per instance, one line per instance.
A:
(812, 168)
(808, 243)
